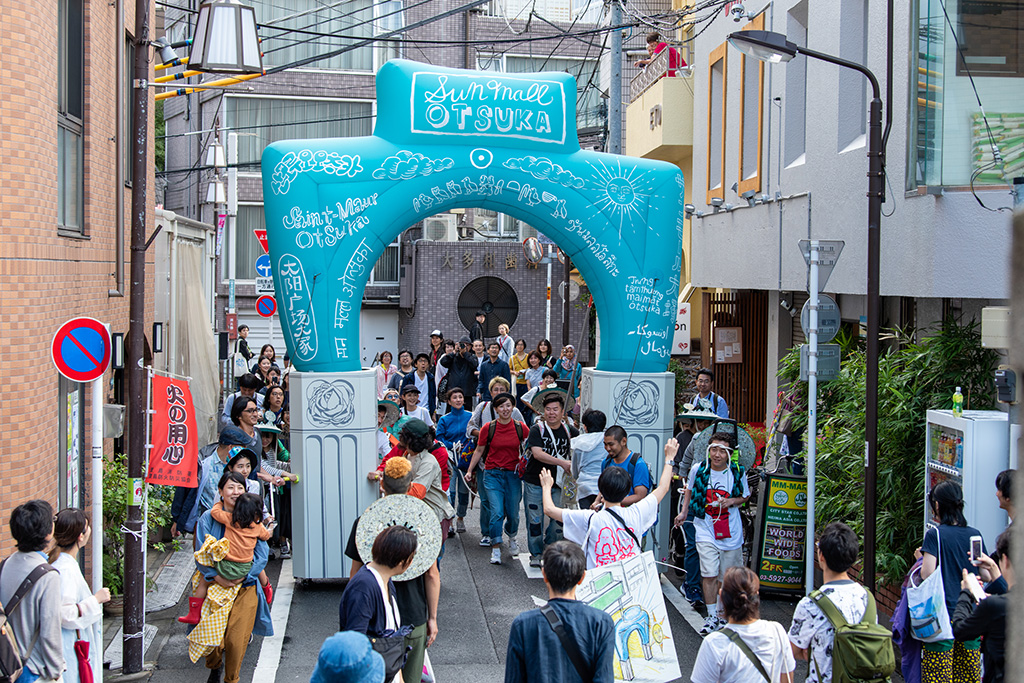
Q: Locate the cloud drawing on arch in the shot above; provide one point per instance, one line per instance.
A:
(406, 165)
(543, 168)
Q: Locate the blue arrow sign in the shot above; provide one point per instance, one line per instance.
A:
(263, 265)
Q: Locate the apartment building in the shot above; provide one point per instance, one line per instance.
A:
(779, 155)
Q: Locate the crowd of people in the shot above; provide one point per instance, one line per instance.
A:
(486, 418)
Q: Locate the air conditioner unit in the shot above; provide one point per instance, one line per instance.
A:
(440, 228)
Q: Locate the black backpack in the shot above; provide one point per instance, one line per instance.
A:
(11, 661)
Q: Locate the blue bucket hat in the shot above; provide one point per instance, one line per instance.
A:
(348, 657)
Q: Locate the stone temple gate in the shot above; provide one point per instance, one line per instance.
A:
(444, 139)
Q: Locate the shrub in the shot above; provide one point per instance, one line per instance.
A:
(913, 376)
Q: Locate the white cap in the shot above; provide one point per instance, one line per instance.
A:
(436, 333)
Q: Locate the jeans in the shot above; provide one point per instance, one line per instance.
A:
(504, 493)
(691, 563)
(539, 537)
(485, 505)
(457, 484)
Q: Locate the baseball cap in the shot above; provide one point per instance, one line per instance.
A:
(233, 436)
(409, 388)
(417, 427)
(436, 333)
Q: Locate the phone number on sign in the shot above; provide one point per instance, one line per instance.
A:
(780, 580)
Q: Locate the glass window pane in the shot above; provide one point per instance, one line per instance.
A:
(248, 248)
(69, 179)
(267, 120)
(386, 270)
(341, 24)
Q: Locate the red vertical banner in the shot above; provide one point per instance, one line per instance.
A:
(175, 453)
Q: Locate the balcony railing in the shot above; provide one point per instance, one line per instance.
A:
(658, 68)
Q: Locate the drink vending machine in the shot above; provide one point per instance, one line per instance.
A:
(970, 450)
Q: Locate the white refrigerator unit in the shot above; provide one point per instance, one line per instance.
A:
(970, 450)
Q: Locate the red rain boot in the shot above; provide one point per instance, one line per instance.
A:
(268, 591)
(195, 607)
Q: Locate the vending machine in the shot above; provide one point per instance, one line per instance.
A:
(970, 450)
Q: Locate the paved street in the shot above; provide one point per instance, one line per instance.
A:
(477, 606)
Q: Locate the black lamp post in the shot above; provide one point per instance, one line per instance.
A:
(774, 48)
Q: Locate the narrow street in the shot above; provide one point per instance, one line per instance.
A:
(478, 603)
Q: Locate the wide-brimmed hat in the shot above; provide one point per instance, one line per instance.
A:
(237, 454)
(537, 402)
(690, 414)
(392, 412)
(268, 428)
(406, 511)
(348, 656)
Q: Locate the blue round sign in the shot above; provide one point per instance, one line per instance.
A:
(263, 265)
(81, 349)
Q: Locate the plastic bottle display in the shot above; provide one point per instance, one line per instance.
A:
(958, 403)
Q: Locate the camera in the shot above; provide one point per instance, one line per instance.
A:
(738, 12)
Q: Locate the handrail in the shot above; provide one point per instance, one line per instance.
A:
(657, 69)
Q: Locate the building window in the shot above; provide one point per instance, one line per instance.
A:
(716, 122)
(263, 119)
(386, 270)
(795, 99)
(281, 25)
(590, 109)
(70, 116)
(991, 38)
(950, 141)
(388, 18)
(853, 46)
(751, 116)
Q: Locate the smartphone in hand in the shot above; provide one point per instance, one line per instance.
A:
(976, 550)
(974, 586)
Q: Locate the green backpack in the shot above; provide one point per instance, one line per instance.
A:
(860, 652)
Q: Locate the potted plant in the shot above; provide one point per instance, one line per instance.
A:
(116, 492)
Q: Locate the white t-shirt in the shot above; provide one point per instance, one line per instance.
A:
(721, 484)
(719, 660)
(601, 535)
(424, 388)
(811, 627)
(420, 413)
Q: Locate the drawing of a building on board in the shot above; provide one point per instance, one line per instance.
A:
(629, 591)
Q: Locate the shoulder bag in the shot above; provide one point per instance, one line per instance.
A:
(926, 602)
(745, 649)
(568, 644)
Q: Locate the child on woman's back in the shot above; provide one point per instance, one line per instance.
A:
(243, 527)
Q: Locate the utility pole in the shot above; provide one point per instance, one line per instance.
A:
(134, 562)
(615, 88)
(1015, 623)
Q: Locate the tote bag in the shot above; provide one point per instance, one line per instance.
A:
(239, 366)
(926, 602)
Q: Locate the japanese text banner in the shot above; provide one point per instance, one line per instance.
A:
(174, 457)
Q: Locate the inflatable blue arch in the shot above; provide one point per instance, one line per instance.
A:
(450, 138)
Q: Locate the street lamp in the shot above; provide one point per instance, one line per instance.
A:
(225, 39)
(228, 43)
(774, 48)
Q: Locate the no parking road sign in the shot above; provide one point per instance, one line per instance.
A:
(81, 349)
(266, 306)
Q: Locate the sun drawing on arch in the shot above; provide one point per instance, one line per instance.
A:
(624, 193)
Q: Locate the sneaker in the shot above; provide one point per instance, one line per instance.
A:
(485, 542)
(286, 551)
(451, 532)
(495, 555)
(711, 624)
(513, 547)
(460, 525)
(535, 560)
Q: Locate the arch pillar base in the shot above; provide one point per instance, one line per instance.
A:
(333, 446)
(642, 403)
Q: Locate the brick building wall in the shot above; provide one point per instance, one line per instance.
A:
(438, 287)
(47, 277)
